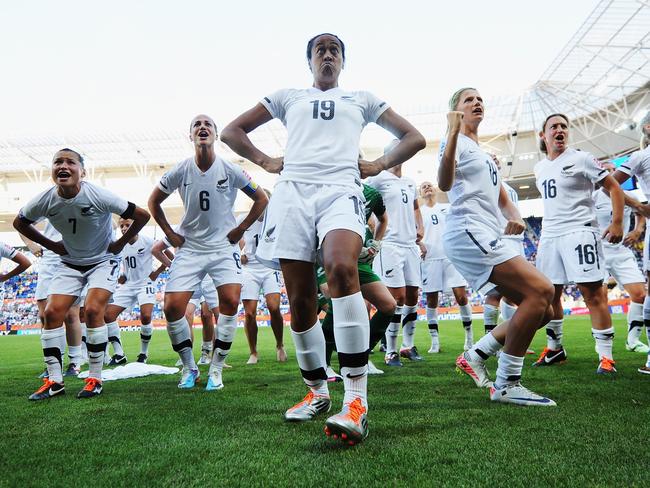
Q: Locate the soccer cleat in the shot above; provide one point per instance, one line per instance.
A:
(638, 346)
(205, 358)
(382, 348)
(44, 375)
(332, 376)
(48, 390)
(350, 424)
(117, 360)
(410, 353)
(517, 394)
(281, 355)
(142, 358)
(644, 370)
(308, 408)
(372, 369)
(73, 370)
(434, 349)
(606, 366)
(189, 378)
(214, 382)
(530, 351)
(392, 359)
(549, 357)
(474, 369)
(92, 389)
(252, 359)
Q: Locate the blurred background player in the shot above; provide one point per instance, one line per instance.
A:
(398, 262)
(81, 212)
(258, 278)
(137, 288)
(438, 273)
(207, 240)
(570, 247)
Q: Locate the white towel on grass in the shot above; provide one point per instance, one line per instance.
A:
(132, 370)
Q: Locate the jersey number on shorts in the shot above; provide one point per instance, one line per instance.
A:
(327, 107)
(586, 254)
(237, 259)
(550, 191)
(358, 208)
(115, 265)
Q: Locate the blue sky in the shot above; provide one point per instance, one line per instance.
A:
(75, 67)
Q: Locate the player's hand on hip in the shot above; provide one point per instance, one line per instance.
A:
(514, 227)
(613, 233)
(59, 248)
(370, 168)
(244, 259)
(176, 240)
(273, 165)
(235, 235)
(632, 238)
(115, 247)
(423, 249)
(454, 119)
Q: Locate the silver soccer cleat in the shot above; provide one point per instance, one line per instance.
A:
(350, 425)
(308, 408)
(518, 394)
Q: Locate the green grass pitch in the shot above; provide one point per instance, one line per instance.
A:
(428, 425)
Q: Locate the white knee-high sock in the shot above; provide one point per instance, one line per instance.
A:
(179, 333)
(508, 370)
(604, 342)
(634, 322)
(310, 353)
(409, 318)
(490, 317)
(74, 354)
(554, 334)
(114, 338)
(224, 335)
(432, 321)
(352, 335)
(96, 342)
(53, 343)
(507, 310)
(466, 318)
(485, 347)
(392, 331)
(146, 331)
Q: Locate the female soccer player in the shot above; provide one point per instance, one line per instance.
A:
(639, 166)
(22, 263)
(473, 244)
(318, 203)
(81, 212)
(570, 248)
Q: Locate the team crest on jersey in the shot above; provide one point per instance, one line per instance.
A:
(222, 185)
(268, 235)
(87, 210)
(141, 252)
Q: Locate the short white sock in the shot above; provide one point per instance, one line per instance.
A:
(508, 370)
(554, 334)
(392, 331)
(490, 317)
(310, 354)
(352, 335)
(634, 322)
(507, 310)
(485, 347)
(114, 338)
(409, 318)
(96, 342)
(53, 343)
(179, 333)
(146, 331)
(224, 335)
(604, 342)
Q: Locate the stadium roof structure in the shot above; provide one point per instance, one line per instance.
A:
(600, 79)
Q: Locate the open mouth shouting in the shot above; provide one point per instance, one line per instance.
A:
(63, 175)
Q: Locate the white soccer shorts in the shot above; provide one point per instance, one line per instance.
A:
(475, 252)
(517, 245)
(127, 296)
(257, 279)
(646, 252)
(572, 258)
(206, 292)
(189, 268)
(300, 215)
(68, 281)
(45, 275)
(621, 264)
(440, 275)
(398, 266)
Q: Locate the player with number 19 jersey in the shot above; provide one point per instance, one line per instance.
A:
(570, 249)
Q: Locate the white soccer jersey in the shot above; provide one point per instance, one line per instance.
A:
(398, 195)
(251, 240)
(604, 215)
(50, 258)
(137, 261)
(208, 199)
(474, 195)
(7, 251)
(514, 198)
(567, 185)
(434, 219)
(83, 221)
(324, 128)
(639, 165)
